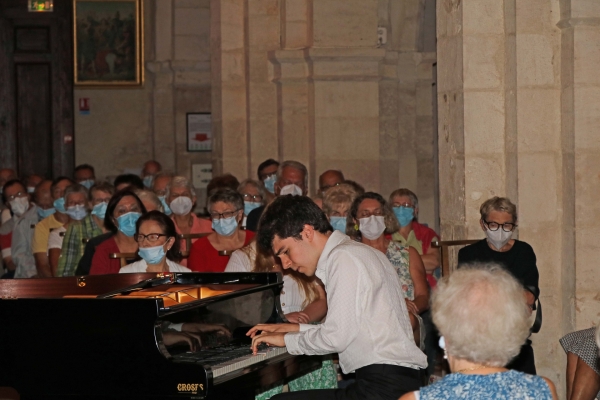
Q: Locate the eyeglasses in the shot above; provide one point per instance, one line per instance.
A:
(406, 205)
(14, 196)
(225, 215)
(152, 237)
(252, 197)
(494, 226)
(367, 214)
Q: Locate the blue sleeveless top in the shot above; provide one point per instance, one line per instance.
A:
(510, 385)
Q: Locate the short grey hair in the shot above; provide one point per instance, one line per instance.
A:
(498, 204)
(340, 194)
(296, 165)
(180, 181)
(75, 188)
(258, 185)
(149, 195)
(481, 311)
(405, 192)
(228, 196)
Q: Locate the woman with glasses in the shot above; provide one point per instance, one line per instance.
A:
(498, 221)
(211, 253)
(254, 196)
(373, 222)
(158, 245)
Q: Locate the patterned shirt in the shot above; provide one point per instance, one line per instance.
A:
(21, 244)
(399, 258)
(73, 246)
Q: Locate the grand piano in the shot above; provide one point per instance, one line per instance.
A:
(105, 337)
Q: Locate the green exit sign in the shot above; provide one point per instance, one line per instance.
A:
(41, 6)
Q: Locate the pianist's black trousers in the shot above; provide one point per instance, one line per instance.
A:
(373, 382)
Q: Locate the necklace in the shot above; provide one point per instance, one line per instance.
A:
(460, 371)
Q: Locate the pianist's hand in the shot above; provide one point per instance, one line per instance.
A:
(197, 327)
(273, 328)
(272, 339)
(298, 318)
(173, 337)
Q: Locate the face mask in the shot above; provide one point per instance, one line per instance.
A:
(99, 210)
(165, 205)
(249, 206)
(19, 205)
(148, 181)
(30, 189)
(372, 227)
(45, 213)
(291, 189)
(59, 205)
(225, 226)
(152, 255)
(338, 223)
(404, 215)
(270, 183)
(181, 205)
(127, 222)
(88, 183)
(498, 238)
(77, 212)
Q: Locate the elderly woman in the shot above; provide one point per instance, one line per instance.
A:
(583, 364)
(254, 196)
(122, 213)
(336, 204)
(480, 336)
(158, 245)
(498, 221)
(226, 208)
(370, 219)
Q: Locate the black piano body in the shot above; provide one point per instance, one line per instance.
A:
(81, 337)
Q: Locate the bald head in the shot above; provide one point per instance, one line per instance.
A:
(43, 195)
(151, 168)
(329, 179)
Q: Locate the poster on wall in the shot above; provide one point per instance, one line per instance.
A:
(199, 132)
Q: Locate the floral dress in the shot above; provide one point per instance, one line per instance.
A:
(399, 258)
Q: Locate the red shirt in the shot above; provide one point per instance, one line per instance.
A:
(199, 225)
(101, 264)
(424, 234)
(205, 258)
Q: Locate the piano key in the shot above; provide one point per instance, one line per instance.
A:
(246, 361)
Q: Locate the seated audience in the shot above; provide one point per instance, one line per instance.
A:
(79, 233)
(484, 321)
(583, 364)
(337, 203)
(158, 245)
(226, 208)
(498, 221)
(328, 179)
(159, 187)
(151, 168)
(222, 181)
(254, 196)
(150, 200)
(6, 174)
(85, 175)
(130, 181)
(267, 174)
(43, 199)
(32, 181)
(122, 213)
(58, 219)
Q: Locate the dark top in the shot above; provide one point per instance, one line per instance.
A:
(253, 218)
(85, 263)
(520, 261)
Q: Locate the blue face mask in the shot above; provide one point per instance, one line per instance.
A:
(338, 223)
(404, 215)
(249, 206)
(99, 210)
(152, 255)
(127, 222)
(77, 212)
(165, 205)
(225, 226)
(88, 183)
(148, 181)
(45, 213)
(59, 205)
(270, 183)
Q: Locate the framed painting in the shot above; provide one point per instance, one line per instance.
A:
(108, 42)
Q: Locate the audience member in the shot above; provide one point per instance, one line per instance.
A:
(222, 181)
(43, 199)
(85, 175)
(151, 168)
(318, 199)
(226, 209)
(336, 204)
(6, 174)
(32, 181)
(267, 174)
(130, 181)
(159, 187)
(99, 198)
(292, 178)
(357, 188)
(254, 196)
(158, 245)
(150, 200)
(483, 320)
(330, 178)
(56, 220)
(583, 364)
(23, 231)
(498, 221)
(122, 213)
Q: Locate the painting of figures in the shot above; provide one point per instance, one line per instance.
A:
(108, 42)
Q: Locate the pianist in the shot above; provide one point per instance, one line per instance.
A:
(367, 321)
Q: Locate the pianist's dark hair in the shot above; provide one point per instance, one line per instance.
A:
(109, 222)
(168, 228)
(286, 217)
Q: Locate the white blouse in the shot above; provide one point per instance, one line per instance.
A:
(141, 267)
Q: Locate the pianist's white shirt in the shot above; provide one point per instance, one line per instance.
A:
(141, 266)
(367, 320)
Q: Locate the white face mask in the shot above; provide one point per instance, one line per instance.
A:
(19, 205)
(291, 189)
(181, 205)
(498, 238)
(372, 227)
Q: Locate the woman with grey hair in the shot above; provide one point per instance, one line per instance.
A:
(150, 200)
(254, 195)
(483, 320)
(498, 222)
(211, 253)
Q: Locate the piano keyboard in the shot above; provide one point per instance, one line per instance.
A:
(246, 361)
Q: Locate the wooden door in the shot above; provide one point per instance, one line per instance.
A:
(36, 89)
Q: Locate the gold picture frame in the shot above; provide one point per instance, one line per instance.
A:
(108, 42)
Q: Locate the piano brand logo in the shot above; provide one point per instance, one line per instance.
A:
(190, 387)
